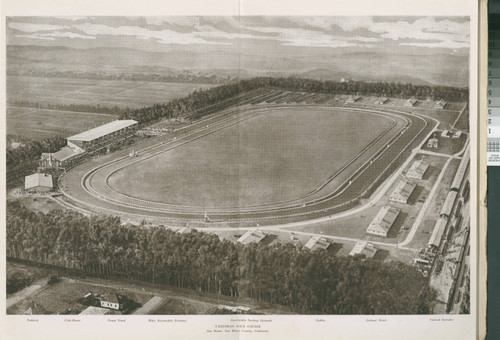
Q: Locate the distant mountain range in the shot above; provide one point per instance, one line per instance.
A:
(415, 65)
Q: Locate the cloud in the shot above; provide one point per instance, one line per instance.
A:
(442, 44)
(331, 32)
(54, 35)
(162, 36)
(30, 28)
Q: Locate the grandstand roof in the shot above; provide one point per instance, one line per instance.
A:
(102, 130)
(317, 243)
(417, 169)
(38, 180)
(402, 192)
(252, 236)
(363, 248)
(382, 223)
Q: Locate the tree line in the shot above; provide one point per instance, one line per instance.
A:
(186, 77)
(112, 110)
(202, 98)
(310, 283)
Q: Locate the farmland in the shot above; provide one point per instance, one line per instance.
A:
(120, 93)
(38, 124)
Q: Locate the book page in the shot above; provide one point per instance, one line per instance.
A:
(241, 169)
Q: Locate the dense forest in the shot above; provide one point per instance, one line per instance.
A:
(201, 99)
(112, 110)
(311, 283)
(23, 160)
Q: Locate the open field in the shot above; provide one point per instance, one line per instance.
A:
(120, 93)
(64, 295)
(38, 124)
(277, 156)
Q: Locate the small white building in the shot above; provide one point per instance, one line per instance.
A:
(440, 105)
(364, 248)
(457, 134)
(317, 243)
(111, 302)
(352, 99)
(252, 236)
(381, 100)
(410, 102)
(38, 182)
(445, 134)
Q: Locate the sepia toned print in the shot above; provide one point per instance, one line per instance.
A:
(202, 165)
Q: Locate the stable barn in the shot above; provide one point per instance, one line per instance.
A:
(383, 222)
(402, 192)
(417, 170)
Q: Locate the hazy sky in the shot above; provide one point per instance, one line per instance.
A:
(449, 33)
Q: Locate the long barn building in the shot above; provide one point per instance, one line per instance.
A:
(462, 169)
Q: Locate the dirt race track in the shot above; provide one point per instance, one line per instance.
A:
(88, 185)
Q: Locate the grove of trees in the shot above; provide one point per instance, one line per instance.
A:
(310, 283)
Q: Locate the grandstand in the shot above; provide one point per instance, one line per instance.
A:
(417, 169)
(383, 222)
(402, 192)
(95, 136)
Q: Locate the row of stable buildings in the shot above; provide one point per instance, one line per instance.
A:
(439, 105)
(383, 222)
(315, 243)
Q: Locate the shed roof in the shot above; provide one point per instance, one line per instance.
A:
(38, 180)
(383, 221)
(65, 153)
(364, 248)
(252, 236)
(317, 243)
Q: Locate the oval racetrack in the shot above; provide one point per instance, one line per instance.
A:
(105, 184)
